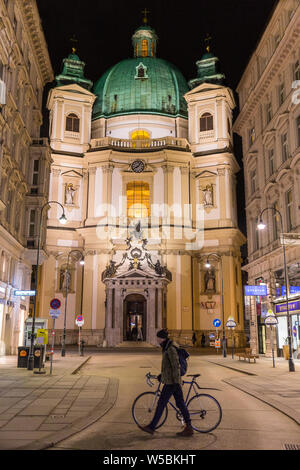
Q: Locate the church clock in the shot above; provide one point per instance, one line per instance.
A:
(138, 166)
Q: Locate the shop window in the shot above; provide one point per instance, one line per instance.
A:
(138, 197)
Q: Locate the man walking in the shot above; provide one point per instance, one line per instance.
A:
(171, 378)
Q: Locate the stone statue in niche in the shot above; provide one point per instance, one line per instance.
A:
(208, 195)
(64, 279)
(210, 280)
(69, 194)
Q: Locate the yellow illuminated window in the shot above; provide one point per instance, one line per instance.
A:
(144, 48)
(138, 196)
(152, 48)
(137, 49)
(140, 135)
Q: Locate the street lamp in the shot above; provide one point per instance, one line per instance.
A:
(63, 348)
(62, 220)
(261, 226)
(207, 265)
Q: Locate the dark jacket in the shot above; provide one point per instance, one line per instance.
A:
(170, 367)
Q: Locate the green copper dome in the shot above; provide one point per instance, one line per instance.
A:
(143, 84)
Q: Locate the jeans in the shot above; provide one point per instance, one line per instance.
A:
(167, 392)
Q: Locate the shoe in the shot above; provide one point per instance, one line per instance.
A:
(147, 429)
(187, 432)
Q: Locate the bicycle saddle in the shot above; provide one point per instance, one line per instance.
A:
(194, 375)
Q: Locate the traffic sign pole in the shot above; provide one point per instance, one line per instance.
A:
(52, 346)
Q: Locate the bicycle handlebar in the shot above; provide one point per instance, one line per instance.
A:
(149, 377)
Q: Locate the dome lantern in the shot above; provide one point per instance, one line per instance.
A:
(144, 40)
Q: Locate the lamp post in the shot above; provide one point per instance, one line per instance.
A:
(261, 226)
(62, 220)
(207, 265)
(63, 347)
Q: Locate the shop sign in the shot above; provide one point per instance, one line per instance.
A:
(281, 308)
(256, 290)
(24, 293)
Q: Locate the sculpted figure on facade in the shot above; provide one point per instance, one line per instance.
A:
(210, 280)
(69, 194)
(208, 195)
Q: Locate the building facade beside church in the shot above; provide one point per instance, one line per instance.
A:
(25, 160)
(269, 124)
(144, 166)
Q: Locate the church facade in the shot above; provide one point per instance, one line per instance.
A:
(143, 164)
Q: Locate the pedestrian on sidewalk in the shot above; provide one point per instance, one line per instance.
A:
(194, 338)
(171, 378)
(203, 340)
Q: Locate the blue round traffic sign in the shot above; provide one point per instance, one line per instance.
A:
(55, 303)
(217, 322)
(79, 318)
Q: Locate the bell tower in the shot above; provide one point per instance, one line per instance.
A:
(70, 104)
(210, 106)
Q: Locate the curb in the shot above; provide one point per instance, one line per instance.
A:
(105, 405)
(294, 415)
(81, 365)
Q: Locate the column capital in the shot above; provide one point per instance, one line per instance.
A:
(167, 168)
(184, 170)
(92, 170)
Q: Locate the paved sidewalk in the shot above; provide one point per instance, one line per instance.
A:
(275, 386)
(37, 411)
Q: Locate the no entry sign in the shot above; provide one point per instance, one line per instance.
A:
(79, 320)
(55, 304)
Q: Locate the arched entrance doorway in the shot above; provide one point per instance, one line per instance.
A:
(135, 312)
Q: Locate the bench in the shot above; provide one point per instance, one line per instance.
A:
(248, 355)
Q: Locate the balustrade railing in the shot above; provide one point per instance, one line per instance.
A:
(140, 144)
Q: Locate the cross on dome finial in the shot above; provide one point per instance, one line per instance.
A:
(73, 40)
(207, 41)
(145, 12)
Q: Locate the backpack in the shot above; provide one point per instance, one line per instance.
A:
(183, 355)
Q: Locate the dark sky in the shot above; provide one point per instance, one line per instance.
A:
(104, 30)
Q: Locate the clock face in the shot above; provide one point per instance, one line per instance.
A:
(138, 166)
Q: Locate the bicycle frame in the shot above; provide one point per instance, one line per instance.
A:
(192, 383)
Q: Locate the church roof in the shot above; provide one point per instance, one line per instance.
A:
(143, 84)
(73, 72)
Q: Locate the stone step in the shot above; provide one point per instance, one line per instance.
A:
(135, 344)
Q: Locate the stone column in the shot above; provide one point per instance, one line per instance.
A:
(151, 331)
(185, 191)
(168, 193)
(159, 306)
(107, 183)
(54, 196)
(91, 192)
(223, 199)
(87, 303)
(108, 316)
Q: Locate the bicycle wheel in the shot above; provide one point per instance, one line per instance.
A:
(144, 407)
(205, 412)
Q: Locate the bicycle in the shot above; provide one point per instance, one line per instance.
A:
(204, 409)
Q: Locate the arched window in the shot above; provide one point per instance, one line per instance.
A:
(144, 48)
(140, 135)
(206, 122)
(138, 196)
(152, 48)
(72, 123)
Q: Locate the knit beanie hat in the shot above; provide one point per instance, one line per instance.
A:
(163, 333)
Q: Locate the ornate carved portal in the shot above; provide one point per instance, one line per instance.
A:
(136, 290)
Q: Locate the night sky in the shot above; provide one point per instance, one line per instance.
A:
(104, 29)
